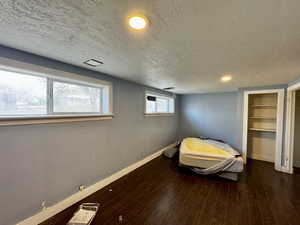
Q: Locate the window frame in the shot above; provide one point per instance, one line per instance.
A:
(162, 96)
(105, 87)
(52, 112)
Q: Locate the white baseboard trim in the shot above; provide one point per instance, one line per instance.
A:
(297, 164)
(60, 206)
(284, 170)
(261, 157)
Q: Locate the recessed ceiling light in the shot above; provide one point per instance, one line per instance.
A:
(138, 22)
(93, 62)
(226, 78)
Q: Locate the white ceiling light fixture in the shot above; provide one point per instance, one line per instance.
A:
(138, 22)
(226, 78)
(93, 62)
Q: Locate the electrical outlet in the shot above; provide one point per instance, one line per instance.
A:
(81, 187)
(44, 205)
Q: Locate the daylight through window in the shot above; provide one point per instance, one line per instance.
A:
(159, 104)
(30, 95)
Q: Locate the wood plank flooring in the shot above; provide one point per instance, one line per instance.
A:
(160, 193)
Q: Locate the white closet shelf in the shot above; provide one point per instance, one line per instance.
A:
(262, 129)
(262, 117)
(263, 106)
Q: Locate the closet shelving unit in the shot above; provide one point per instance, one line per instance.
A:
(262, 118)
(263, 125)
(263, 106)
(262, 113)
(262, 129)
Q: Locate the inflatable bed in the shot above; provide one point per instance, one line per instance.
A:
(207, 156)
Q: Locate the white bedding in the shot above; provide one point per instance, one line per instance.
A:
(191, 158)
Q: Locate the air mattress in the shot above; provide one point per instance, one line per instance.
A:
(195, 152)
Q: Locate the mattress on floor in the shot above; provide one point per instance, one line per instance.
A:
(195, 152)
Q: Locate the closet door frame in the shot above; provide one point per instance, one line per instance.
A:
(279, 126)
(290, 127)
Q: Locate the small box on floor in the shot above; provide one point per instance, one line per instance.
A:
(85, 214)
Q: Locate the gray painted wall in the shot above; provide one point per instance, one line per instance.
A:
(49, 162)
(211, 115)
(294, 82)
(218, 115)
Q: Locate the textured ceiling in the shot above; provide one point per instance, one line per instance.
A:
(189, 44)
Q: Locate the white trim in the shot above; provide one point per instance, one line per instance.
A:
(64, 77)
(290, 127)
(245, 127)
(166, 95)
(297, 164)
(22, 122)
(60, 75)
(279, 128)
(158, 114)
(60, 206)
(261, 158)
(289, 130)
(159, 95)
(27, 117)
(294, 87)
(268, 91)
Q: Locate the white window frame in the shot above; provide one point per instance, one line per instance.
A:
(106, 101)
(162, 96)
(50, 111)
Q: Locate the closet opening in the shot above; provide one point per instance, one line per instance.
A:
(263, 126)
(262, 118)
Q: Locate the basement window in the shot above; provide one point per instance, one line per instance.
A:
(158, 104)
(25, 95)
(75, 98)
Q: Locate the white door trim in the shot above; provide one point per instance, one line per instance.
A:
(279, 127)
(290, 127)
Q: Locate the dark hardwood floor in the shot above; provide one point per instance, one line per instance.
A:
(160, 193)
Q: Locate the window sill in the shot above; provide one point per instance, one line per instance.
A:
(16, 121)
(158, 114)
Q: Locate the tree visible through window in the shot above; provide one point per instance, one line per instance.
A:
(75, 98)
(30, 95)
(22, 94)
(157, 104)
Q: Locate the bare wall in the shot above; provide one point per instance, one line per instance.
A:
(216, 115)
(211, 115)
(49, 162)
